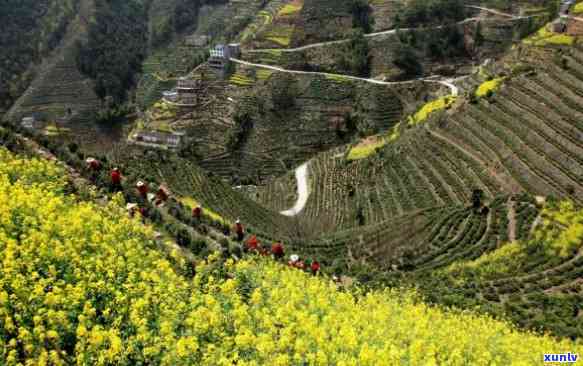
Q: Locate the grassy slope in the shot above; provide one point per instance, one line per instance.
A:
(103, 294)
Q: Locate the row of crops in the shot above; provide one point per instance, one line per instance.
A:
(532, 129)
(535, 281)
(428, 239)
(419, 171)
(58, 88)
(93, 287)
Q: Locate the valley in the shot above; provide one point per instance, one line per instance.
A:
(427, 150)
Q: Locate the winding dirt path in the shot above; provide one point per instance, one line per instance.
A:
(511, 220)
(575, 18)
(303, 191)
(493, 11)
(340, 41)
(453, 89)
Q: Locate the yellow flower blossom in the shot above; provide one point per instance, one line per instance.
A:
(85, 284)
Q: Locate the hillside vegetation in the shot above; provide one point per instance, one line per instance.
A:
(84, 284)
(435, 157)
(30, 30)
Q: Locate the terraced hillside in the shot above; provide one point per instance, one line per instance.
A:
(431, 238)
(535, 282)
(275, 120)
(322, 20)
(274, 26)
(59, 86)
(525, 138)
(445, 51)
(30, 31)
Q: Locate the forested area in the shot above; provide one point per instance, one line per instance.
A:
(115, 48)
(439, 44)
(427, 12)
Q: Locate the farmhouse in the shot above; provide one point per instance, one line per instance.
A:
(197, 41)
(560, 25)
(187, 91)
(220, 56)
(28, 122)
(170, 140)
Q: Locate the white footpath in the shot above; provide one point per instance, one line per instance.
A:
(303, 191)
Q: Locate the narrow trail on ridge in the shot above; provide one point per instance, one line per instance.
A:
(576, 18)
(431, 79)
(511, 221)
(493, 11)
(340, 41)
(303, 191)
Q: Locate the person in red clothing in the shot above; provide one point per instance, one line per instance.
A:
(252, 244)
(277, 251)
(239, 231)
(161, 196)
(315, 267)
(300, 265)
(93, 164)
(293, 260)
(142, 189)
(197, 212)
(116, 180)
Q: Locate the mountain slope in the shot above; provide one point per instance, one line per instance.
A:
(31, 30)
(131, 303)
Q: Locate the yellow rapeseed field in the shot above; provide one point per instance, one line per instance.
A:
(85, 285)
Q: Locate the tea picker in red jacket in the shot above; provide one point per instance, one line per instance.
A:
(116, 180)
(315, 267)
(142, 189)
(197, 212)
(277, 251)
(252, 244)
(161, 195)
(239, 231)
(93, 164)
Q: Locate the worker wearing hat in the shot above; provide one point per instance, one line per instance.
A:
(142, 189)
(239, 230)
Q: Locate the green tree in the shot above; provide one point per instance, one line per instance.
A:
(283, 91)
(115, 47)
(356, 58)
(407, 61)
(361, 15)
